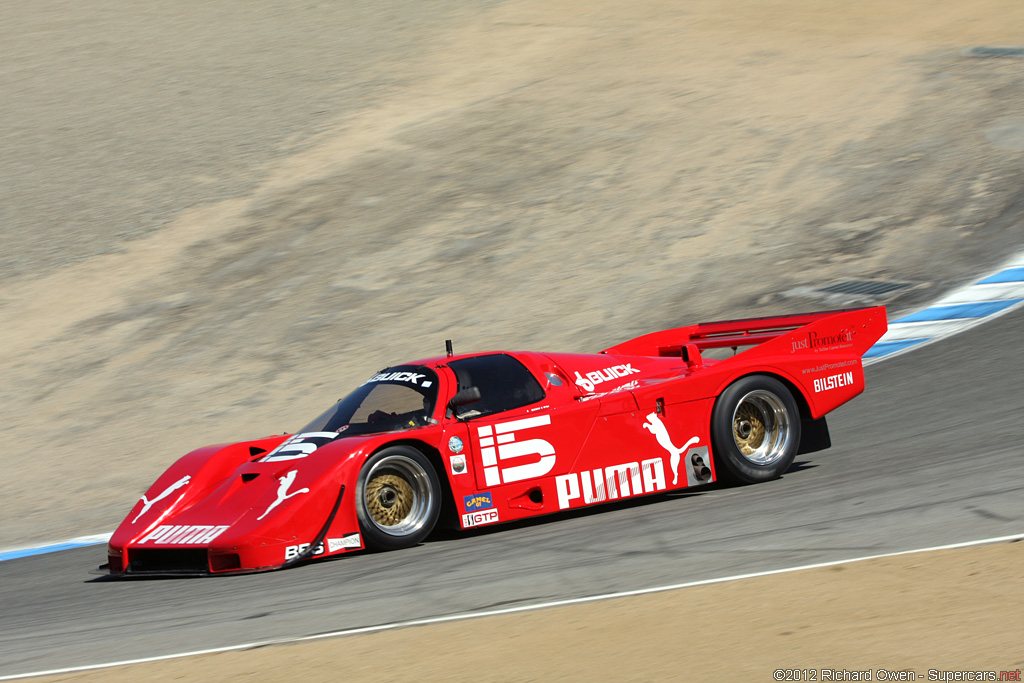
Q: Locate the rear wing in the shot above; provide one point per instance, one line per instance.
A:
(854, 329)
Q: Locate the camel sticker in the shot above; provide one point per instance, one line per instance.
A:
(282, 492)
(655, 426)
(147, 503)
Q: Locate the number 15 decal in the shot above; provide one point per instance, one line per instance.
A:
(498, 442)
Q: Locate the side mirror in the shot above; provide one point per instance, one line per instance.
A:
(464, 398)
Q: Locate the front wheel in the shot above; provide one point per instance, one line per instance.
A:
(755, 429)
(398, 498)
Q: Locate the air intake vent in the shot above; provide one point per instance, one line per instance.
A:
(167, 560)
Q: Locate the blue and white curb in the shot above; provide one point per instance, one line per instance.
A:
(80, 542)
(961, 309)
(992, 296)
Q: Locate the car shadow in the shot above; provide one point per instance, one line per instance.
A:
(454, 533)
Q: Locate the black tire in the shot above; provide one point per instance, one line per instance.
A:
(398, 498)
(755, 430)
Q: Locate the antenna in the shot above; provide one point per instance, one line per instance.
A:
(448, 347)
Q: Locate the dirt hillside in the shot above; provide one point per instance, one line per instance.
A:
(216, 219)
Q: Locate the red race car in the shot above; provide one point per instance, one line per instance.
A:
(494, 437)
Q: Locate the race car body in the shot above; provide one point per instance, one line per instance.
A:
(495, 437)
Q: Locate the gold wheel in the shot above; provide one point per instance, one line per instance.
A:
(398, 498)
(761, 427)
(389, 499)
(748, 429)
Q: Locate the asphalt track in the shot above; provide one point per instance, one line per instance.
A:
(929, 455)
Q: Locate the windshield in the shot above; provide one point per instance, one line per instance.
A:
(401, 397)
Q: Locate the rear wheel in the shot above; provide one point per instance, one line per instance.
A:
(755, 429)
(398, 498)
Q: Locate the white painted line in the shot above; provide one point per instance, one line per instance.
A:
(94, 538)
(509, 610)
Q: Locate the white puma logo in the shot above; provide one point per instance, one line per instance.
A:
(168, 491)
(655, 426)
(282, 492)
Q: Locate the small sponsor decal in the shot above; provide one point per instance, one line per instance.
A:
(628, 386)
(478, 501)
(282, 492)
(181, 483)
(293, 551)
(592, 379)
(455, 444)
(829, 366)
(411, 377)
(333, 545)
(499, 441)
(479, 518)
(346, 541)
(843, 379)
(458, 464)
(824, 342)
(188, 534)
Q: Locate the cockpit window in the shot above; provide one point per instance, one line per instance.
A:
(401, 397)
(503, 381)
